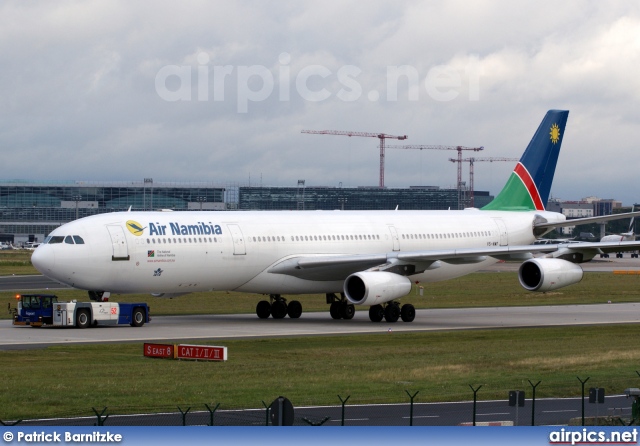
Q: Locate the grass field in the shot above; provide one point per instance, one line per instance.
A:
(313, 370)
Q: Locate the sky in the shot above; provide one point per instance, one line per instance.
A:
(219, 92)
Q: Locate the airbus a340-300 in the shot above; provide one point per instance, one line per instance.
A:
(368, 258)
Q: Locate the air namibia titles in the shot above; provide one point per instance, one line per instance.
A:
(199, 228)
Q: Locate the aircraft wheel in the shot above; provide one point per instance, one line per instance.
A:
(279, 309)
(408, 313)
(334, 310)
(376, 313)
(294, 309)
(263, 309)
(392, 312)
(348, 311)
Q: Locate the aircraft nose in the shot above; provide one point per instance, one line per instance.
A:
(43, 259)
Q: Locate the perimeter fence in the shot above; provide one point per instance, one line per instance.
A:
(520, 407)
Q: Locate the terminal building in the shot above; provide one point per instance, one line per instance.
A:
(30, 210)
(358, 198)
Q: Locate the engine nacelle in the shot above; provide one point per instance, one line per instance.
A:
(375, 287)
(548, 274)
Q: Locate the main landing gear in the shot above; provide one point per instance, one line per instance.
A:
(277, 307)
(391, 312)
(340, 307)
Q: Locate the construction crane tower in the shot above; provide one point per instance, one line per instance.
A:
(380, 136)
(471, 161)
(459, 149)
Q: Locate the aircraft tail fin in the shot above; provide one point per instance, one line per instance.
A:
(529, 185)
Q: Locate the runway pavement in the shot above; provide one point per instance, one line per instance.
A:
(213, 327)
(245, 326)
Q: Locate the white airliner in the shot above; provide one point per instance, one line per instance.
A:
(354, 257)
(623, 237)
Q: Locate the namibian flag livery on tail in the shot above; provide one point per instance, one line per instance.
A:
(529, 186)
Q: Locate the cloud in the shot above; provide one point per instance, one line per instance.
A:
(81, 100)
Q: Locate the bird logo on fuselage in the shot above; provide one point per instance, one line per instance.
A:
(135, 228)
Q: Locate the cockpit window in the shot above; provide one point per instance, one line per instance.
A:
(69, 240)
(78, 240)
(56, 239)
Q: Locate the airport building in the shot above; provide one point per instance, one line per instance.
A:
(587, 207)
(30, 210)
(357, 198)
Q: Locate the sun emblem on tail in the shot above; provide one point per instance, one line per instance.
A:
(555, 133)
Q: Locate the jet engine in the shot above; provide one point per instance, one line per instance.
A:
(548, 274)
(375, 287)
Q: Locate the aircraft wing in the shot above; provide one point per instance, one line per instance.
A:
(339, 267)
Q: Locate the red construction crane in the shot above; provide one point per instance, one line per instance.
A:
(458, 148)
(380, 136)
(471, 161)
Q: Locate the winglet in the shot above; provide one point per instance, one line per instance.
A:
(529, 186)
